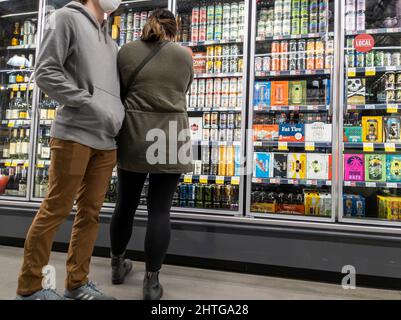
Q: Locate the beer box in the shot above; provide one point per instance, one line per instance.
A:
(317, 203)
(356, 91)
(318, 166)
(392, 126)
(297, 93)
(393, 170)
(237, 160)
(291, 132)
(264, 207)
(353, 134)
(296, 166)
(195, 126)
(261, 97)
(199, 62)
(263, 132)
(280, 165)
(291, 208)
(279, 93)
(354, 205)
(389, 207)
(375, 167)
(354, 169)
(372, 129)
(262, 165)
(318, 132)
(327, 84)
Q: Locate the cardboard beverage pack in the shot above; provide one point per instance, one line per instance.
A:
(296, 166)
(353, 134)
(279, 93)
(393, 170)
(265, 132)
(375, 167)
(297, 93)
(354, 169)
(392, 128)
(291, 132)
(262, 165)
(318, 132)
(372, 129)
(280, 165)
(318, 166)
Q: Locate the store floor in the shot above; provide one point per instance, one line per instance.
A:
(191, 283)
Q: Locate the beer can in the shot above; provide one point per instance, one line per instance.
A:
(230, 135)
(361, 5)
(123, 38)
(350, 59)
(217, 100)
(286, 27)
(313, 25)
(197, 167)
(206, 120)
(234, 50)
(234, 64)
(137, 34)
(226, 13)
(390, 96)
(214, 160)
(226, 31)
(202, 32)
(201, 100)
(293, 46)
(295, 25)
(209, 86)
(214, 120)
(278, 27)
(234, 31)
(360, 60)
(130, 20)
(205, 134)
(310, 62)
(350, 20)
(203, 15)
(310, 46)
(304, 7)
(301, 62)
(195, 16)
(369, 59)
(130, 35)
(319, 47)
(225, 100)
(329, 61)
(330, 46)
(214, 135)
(266, 63)
(210, 32)
(237, 134)
(27, 26)
(225, 85)
(218, 31)
(30, 40)
(387, 59)
(398, 95)
(237, 120)
(313, 7)
(210, 14)
(217, 86)
(225, 64)
(284, 46)
(292, 61)
(379, 58)
(193, 100)
(223, 120)
(323, 25)
(319, 61)
(234, 12)
(390, 80)
(123, 21)
(269, 28)
(233, 85)
(284, 62)
(195, 33)
(222, 134)
(360, 20)
(233, 100)
(301, 45)
(275, 62)
(396, 59)
(276, 47)
(218, 50)
(304, 25)
(190, 192)
(201, 86)
(209, 99)
(205, 159)
(240, 64)
(137, 20)
(398, 79)
(226, 51)
(210, 52)
(231, 120)
(218, 13)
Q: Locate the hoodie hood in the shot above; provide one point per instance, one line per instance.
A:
(102, 28)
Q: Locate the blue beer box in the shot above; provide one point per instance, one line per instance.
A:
(262, 95)
(291, 132)
(262, 165)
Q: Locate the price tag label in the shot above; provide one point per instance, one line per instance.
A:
(203, 179)
(7, 164)
(391, 68)
(309, 182)
(370, 107)
(222, 143)
(203, 142)
(309, 146)
(40, 165)
(219, 179)
(275, 181)
(291, 181)
(370, 71)
(282, 145)
(392, 185)
(368, 147)
(351, 72)
(370, 184)
(328, 183)
(235, 180)
(352, 107)
(23, 87)
(187, 178)
(308, 71)
(31, 86)
(257, 143)
(389, 147)
(392, 108)
(15, 87)
(11, 124)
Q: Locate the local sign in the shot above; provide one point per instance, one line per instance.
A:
(364, 42)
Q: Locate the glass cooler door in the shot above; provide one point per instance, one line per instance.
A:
(371, 102)
(292, 112)
(18, 39)
(216, 33)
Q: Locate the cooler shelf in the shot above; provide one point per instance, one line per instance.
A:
(303, 182)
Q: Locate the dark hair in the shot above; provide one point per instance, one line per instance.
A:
(83, 1)
(161, 24)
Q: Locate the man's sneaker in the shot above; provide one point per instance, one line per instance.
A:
(44, 294)
(88, 291)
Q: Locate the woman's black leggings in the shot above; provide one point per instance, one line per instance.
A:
(160, 196)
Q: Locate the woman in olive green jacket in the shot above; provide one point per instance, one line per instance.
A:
(154, 140)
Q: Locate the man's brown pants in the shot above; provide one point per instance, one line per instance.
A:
(76, 172)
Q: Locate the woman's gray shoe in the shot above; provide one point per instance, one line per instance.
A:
(88, 291)
(44, 294)
(120, 268)
(152, 289)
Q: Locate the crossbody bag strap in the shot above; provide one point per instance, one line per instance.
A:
(145, 61)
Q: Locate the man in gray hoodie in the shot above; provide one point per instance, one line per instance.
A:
(76, 66)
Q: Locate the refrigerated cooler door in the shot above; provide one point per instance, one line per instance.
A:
(292, 113)
(371, 162)
(18, 40)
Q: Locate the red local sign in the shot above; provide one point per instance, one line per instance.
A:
(364, 42)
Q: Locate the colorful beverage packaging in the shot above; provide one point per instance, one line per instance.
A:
(262, 165)
(372, 129)
(375, 167)
(317, 203)
(296, 166)
(393, 168)
(292, 132)
(354, 168)
(389, 207)
(392, 128)
(318, 166)
(354, 205)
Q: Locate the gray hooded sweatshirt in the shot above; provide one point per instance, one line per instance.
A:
(77, 67)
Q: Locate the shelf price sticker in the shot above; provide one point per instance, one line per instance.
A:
(7, 164)
(351, 72)
(309, 146)
(187, 178)
(15, 87)
(23, 87)
(389, 147)
(219, 179)
(26, 164)
(392, 185)
(282, 145)
(203, 179)
(392, 108)
(235, 180)
(371, 184)
(370, 71)
(275, 181)
(368, 147)
(11, 124)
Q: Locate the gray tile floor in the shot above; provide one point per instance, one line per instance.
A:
(191, 283)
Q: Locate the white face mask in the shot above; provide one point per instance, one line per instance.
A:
(109, 6)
